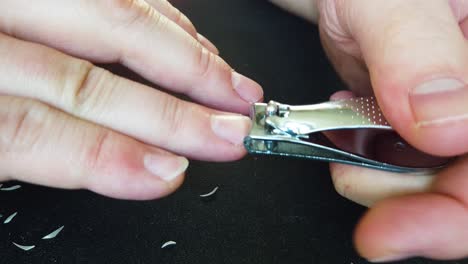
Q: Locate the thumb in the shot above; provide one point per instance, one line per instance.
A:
(418, 63)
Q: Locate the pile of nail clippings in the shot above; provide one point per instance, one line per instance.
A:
(10, 218)
(54, 233)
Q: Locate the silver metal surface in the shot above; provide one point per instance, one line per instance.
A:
(296, 131)
(343, 114)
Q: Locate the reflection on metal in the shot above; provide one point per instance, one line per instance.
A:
(352, 131)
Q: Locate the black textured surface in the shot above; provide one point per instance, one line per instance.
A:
(267, 210)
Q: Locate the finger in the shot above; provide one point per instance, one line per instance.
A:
(169, 11)
(367, 186)
(172, 13)
(91, 93)
(352, 70)
(342, 95)
(426, 225)
(420, 87)
(430, 224)
(303, 8)
(135, 34)
(45, 146)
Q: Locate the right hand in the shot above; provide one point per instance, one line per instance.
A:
(67, 123)
(413, 56)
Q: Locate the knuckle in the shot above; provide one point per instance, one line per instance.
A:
(182, 20)
(205, 61)
(179, 18)
(97, 151)
(332, 14)
(125, 12)
(23, 124)
(173, 116)
(86, 88)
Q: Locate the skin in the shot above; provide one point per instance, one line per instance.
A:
(67, 123)
(392, 49)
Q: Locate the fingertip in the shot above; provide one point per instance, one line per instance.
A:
(446, 140)
(231, 128)
(424, 225)
(433, 119)
(368, 186)
(139, 187)
(249, 90)
(440, 113)
(159, 187)
(128, 169)
(229, 131)
(165, 173)
(304, 8)
(342, 95)
(371, 235)
(165, 166)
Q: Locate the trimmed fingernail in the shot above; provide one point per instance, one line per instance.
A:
(440, 101)
(390, 258)
(342, 95)
(232, 128)
(247, 89)
(167, 167)
(207, 44)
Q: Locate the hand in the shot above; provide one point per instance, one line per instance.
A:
(67, 123)
(414, 55)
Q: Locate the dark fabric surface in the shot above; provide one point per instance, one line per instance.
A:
(267, 209)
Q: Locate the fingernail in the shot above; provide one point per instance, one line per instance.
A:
(342, 95)
(232, 128)
(440, 101)
(247, 89)
(165, 166)
(207, 44)
(389, 258)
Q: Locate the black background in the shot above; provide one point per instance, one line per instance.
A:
(267, 210)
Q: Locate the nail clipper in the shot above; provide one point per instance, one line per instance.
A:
(351, 131)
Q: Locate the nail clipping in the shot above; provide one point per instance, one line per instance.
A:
(54, 233)
(168, 243)
(210, 193)
(9, 218)
(12, 188)
(25, 248)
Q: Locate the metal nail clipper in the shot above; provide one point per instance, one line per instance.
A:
(351, 131)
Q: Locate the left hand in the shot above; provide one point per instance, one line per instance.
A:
(67, 123)
(413, 56)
